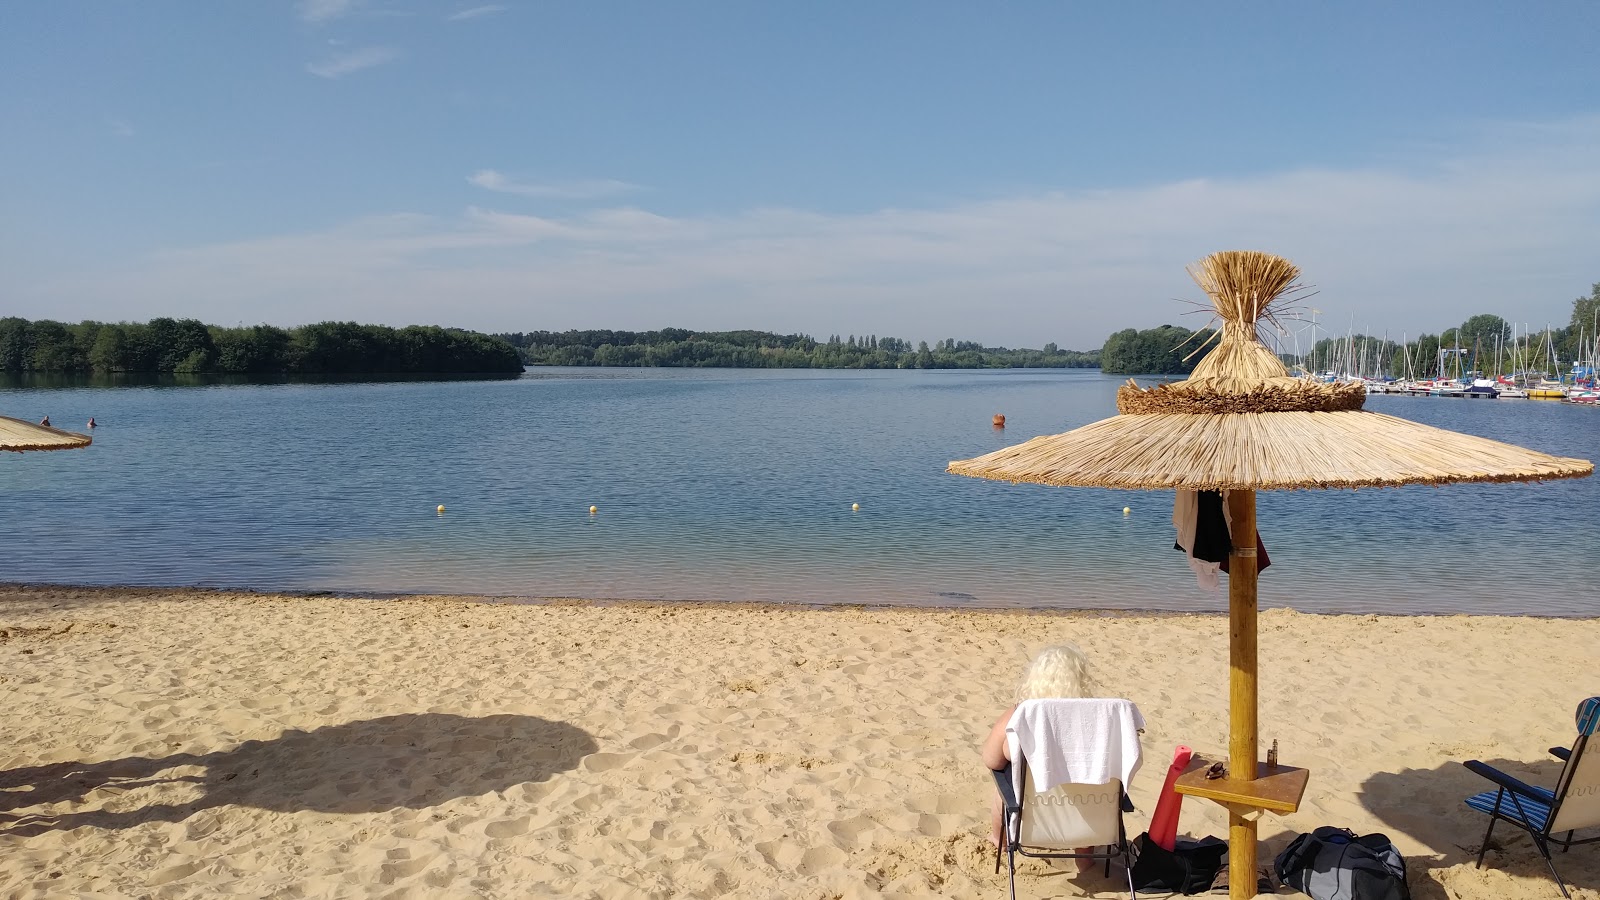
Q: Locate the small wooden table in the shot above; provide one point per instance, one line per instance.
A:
(1275, 789)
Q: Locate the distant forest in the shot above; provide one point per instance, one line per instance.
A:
(162, 346)
(1155, 351)
(679, 347)
(189, 346)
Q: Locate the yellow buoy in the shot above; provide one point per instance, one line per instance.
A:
(1126, 510)
(441, 509)
(593, 510)
(855, 506)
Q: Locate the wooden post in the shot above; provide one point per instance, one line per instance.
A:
(1242, 742)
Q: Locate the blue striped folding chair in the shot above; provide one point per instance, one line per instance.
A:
(1573, 804)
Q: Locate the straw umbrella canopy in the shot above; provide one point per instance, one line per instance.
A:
(1242, 423)
(15, 434)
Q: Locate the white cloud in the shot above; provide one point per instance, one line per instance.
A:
(342, 64)
(324, 10)
(489, 179)
(475, 12)
(1507, 226)
(120, 127)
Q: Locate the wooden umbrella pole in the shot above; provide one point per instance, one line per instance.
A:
(1242, 688)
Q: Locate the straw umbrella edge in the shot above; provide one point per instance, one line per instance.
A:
(18, 435)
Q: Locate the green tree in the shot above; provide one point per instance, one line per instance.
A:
(180, 345)
(1154, 351)
(1485, 329)
(1579, 340)
(256, 350)
(1481, 335)
(110, 350)
(54, 348)
(1585, 310)
(16, 344)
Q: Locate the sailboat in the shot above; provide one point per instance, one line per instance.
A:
(1548, 388)
(1506, 385)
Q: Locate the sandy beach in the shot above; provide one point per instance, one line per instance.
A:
(160, 743)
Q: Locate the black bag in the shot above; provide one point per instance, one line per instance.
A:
(1337, 864)
(1188, 868)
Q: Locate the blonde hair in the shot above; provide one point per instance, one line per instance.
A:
(1059, 671)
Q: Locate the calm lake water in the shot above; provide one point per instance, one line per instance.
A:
(736, 485)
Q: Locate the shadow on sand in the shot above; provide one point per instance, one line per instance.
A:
(1427, 805)
(411, 761)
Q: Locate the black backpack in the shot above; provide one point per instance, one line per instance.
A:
(1188, 868)
(1337, 864)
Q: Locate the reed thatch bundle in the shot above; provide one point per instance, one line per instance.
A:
(1243, 286)
(1240, 373)
(15, 434)
(1242, 422)
(1216, 395)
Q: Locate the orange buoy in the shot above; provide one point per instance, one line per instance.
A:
(999, 421)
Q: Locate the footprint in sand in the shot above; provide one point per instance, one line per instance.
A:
(820, 859)
(605, 762)
(173, 873)
(398, 869)
(847, 832)
(508, 828)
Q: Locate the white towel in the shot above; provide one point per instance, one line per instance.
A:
(1089, 741)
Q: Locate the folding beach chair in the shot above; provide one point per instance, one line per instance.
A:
(1544, 814)
(1053, 823)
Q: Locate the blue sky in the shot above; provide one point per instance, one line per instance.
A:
(1013, 173)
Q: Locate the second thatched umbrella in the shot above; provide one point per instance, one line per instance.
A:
(1239, 424)
(15, 434)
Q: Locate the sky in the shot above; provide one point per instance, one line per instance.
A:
(1012, 173)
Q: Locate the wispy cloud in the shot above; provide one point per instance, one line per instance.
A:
(1507, 225)
(324, 10)
(120, 127)
(489, 179)
(342, 64)
(475, 12)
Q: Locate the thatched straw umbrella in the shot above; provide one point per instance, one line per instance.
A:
(18, 435)
(1239, 424)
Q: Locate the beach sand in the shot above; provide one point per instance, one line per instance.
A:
(160, 743)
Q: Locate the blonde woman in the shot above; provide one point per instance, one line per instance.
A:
(1060, 671)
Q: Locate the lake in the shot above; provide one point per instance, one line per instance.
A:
(736, 485)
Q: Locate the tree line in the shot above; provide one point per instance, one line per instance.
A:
(188, 346)
(165, 345)
(680, 347)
